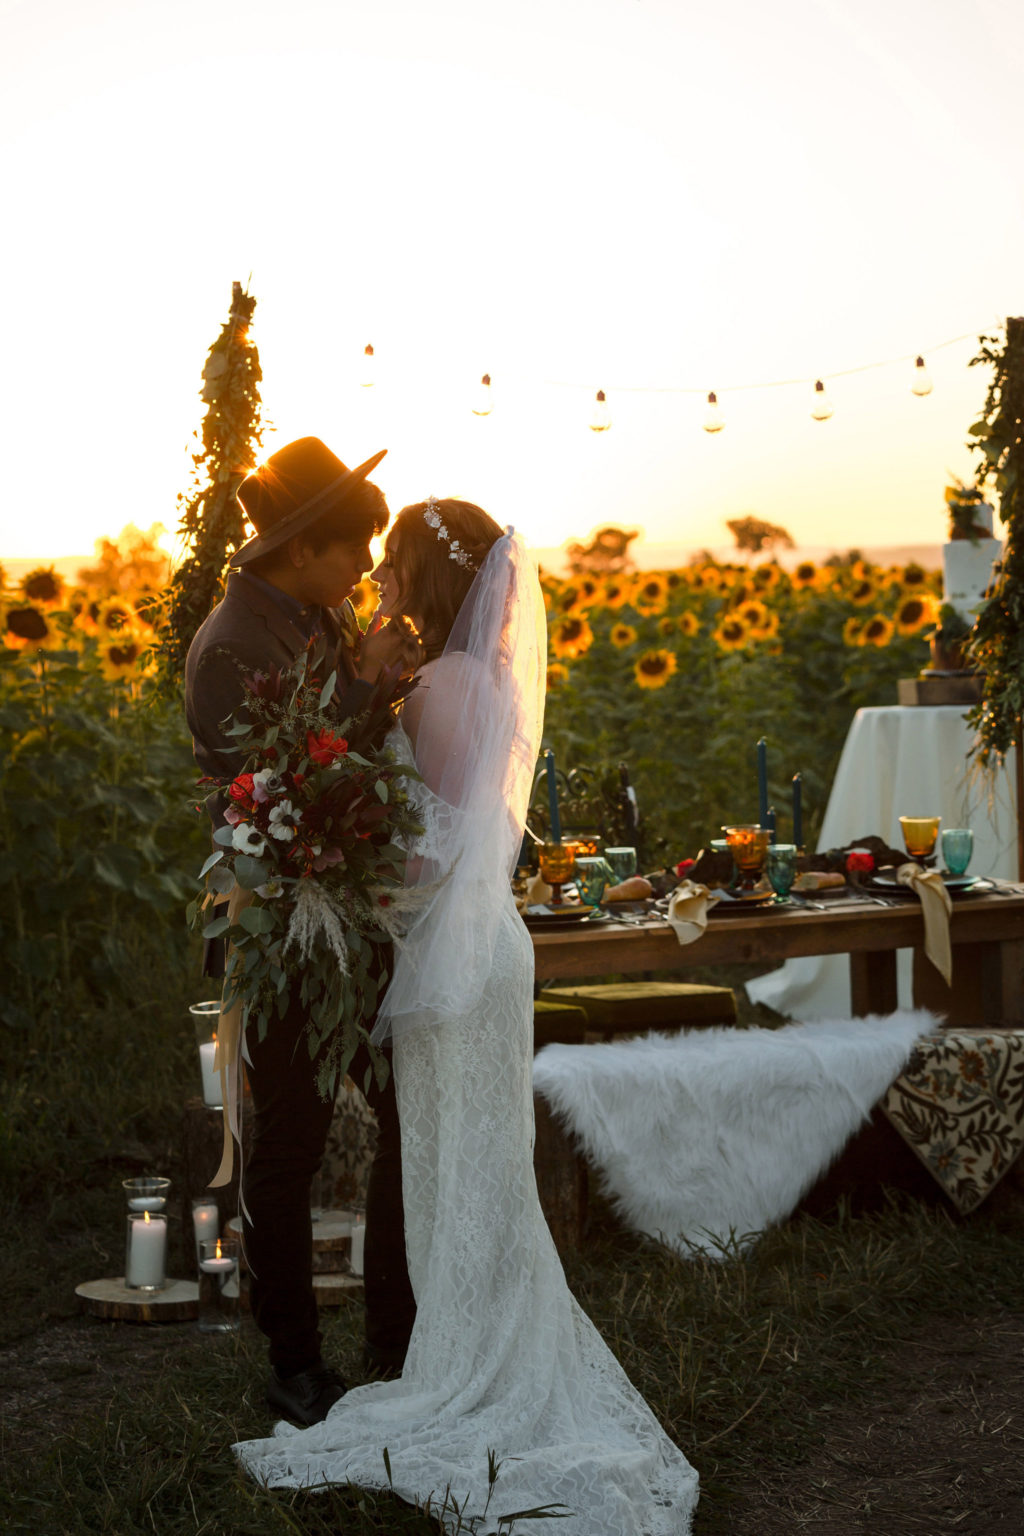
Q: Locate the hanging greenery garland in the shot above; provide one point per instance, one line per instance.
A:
(996, 643)
(210, 519)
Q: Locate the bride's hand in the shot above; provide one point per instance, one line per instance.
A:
(391, 644)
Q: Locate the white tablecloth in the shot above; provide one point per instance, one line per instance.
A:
(899, 762)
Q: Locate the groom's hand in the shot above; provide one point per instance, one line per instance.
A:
(393, 644)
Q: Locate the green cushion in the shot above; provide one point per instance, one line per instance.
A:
(558, 1023)
(636, 1005)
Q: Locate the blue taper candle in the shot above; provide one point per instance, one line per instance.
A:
(762, 781)
(556, 823)
(771, 821)
(798, 819)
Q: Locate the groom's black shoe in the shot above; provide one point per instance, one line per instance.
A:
(308, 1396)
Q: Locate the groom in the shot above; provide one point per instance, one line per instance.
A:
(314, 519)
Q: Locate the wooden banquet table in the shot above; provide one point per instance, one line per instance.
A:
(986, 932)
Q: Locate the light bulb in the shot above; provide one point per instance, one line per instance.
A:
(713, 418)
(922, 384)
(600, 418)
(822, 408)
(483, 405)
(366, 378)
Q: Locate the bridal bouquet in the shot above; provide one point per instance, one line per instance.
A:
(310, 856)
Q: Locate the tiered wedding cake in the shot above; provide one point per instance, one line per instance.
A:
(967, 564)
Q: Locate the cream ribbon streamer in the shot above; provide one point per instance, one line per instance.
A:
(228, 1061)
(936, 906)
(688, 909)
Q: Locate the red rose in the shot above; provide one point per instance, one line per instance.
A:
(683, 868)
(859, 862)
(241, 788)
(324, 747)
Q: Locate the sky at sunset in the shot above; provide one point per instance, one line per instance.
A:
(653, 197)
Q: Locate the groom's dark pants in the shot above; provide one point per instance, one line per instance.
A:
(290, 1127)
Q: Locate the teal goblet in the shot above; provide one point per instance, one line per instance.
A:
(780, 867)
(957, 847)
(622, 861)
(593, 876)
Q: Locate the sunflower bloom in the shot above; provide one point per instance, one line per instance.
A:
(806, 574)
(571, 638)
(689, 624)
(120, 656)
(862, 570)
(42, 586)
(753, 613)
(914, 613)
(877, 631)
(768, 628)
(558, 675)
(114, 615)
(623, 635)
(864, 592)
(27, 628)
(732, 634)
(654, 668)
(666, 625)
(851, 631)
(617, 590)
(651, 594)
(914, 575)
(767, 576)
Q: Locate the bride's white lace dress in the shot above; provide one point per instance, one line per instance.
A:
(502, 1359)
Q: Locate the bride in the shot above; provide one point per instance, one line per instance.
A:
(502, 1364)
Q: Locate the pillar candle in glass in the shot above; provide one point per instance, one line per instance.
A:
(145, 1256)
(218, 1285)
(205, 1221)
(206, 1017)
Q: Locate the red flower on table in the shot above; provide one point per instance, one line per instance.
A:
(860, 863)
(683, 868)
(323, 747)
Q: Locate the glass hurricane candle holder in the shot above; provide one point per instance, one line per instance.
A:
(145, 1254)
(957, 847)
(780, 867)
(748, 843)
(919, 834)
(205, 1221)
(146, 1194)
(557, 862)
(218, 1285)
(206, 1017)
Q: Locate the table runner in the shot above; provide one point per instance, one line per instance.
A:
(959, 1105)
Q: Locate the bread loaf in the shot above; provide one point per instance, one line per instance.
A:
(819, 880)
(636, 888)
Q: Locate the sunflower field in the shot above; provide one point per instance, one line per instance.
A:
(679, 673)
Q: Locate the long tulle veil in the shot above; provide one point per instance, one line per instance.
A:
(476, 745)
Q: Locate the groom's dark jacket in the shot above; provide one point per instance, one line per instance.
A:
(251, 630)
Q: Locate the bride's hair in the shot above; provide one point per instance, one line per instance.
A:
(424, 563)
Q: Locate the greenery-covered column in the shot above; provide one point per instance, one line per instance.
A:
(996, 644)
(210, 519)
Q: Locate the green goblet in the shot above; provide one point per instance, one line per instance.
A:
(593, 876)
(957, 847)
(780, 867)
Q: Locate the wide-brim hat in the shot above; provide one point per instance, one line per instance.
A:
(291, 489)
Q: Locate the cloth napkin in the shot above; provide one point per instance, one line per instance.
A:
(936, 906)
(688, 910)
(538, 894)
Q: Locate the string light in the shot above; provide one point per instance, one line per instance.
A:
(713, 419)
(601, 417)
(483, 404)
(367, 377)
(922, 384)
(822, 408)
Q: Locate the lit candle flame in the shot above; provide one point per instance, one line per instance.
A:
(217, 1255)
(145, 1215)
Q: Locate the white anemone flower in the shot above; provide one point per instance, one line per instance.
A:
(272, 888)
(283, 819)
(248, 839)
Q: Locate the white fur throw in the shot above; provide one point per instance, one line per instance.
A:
(705, 1138)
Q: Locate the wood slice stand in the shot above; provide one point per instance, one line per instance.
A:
(178, 1302)
(333, 1281)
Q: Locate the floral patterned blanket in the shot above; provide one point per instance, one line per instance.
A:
(959, 1105)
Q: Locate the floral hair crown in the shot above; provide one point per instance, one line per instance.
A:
(432, 518)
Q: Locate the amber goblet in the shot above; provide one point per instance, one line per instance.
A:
(557, 862)
(748, 843)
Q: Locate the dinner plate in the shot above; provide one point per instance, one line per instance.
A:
(732, 906)
(885, 880)
(560, 917)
